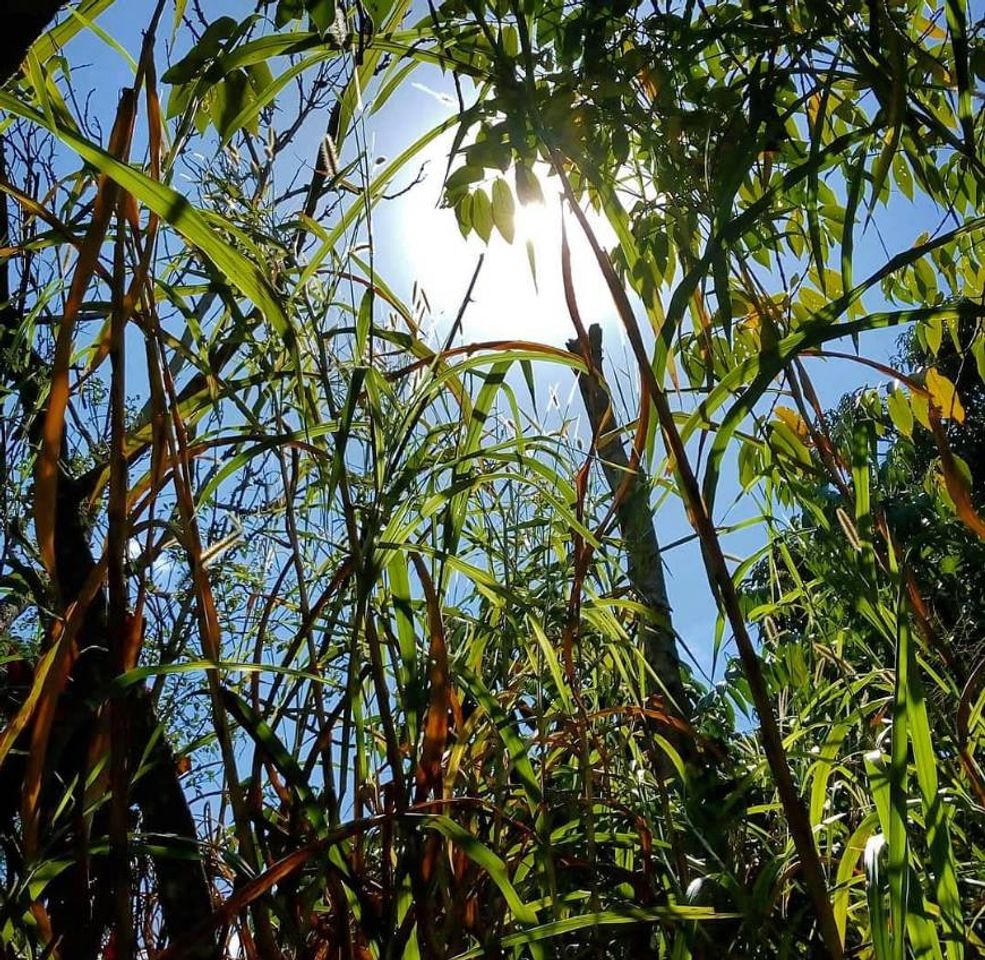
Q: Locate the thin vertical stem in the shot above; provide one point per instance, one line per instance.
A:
(118, 606)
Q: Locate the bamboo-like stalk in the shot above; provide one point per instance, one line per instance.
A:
(118, 609)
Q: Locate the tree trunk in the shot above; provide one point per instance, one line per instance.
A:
(183, 890)
(644, 562)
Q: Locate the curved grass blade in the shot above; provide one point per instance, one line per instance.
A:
(177, 210)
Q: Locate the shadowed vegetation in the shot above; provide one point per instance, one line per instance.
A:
(324, 636)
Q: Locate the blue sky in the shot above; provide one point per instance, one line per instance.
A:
(417, 243)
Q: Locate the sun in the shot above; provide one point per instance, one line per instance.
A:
(538, 223)
(519, 294)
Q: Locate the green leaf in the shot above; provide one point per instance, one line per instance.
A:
(103, 35)
(273, 750)
(482, 856)
(604, 918)
(265, 93)
(898, 853)
(209, 47)
(322, 13)
(898, 405)
(903, 176)
(179, 14)
(176, 210)
(822, 771)
(978, 352)
(482, 214)
(288, 10)
(875, 885)
(847, 867)
(260, 77)
(517, 749)
(232, 98)
(477, 426)
(527, 185)
(855, 181)
(54, 40)
(403, 614)
(463, 214)
(532, 261)
(364, 323)
(462, 177)
(933, 333)
(935, 808)
(503, 209)
(957, 24)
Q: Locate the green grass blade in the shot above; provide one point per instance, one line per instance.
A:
(177, 210)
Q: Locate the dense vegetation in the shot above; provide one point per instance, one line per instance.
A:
(320, 642)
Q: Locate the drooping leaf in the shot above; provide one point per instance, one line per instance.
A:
(482, 214)
(944, 396)
(503, 209)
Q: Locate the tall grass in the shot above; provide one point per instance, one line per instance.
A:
(319, 644)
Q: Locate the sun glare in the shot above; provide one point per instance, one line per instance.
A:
(537, 223)
(519, 294)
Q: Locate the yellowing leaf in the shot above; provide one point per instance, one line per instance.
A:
(785, 439)
(944, 396)
(813, 107)
(794, 421)
(650, 81)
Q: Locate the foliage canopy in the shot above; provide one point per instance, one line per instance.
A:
(320, 641)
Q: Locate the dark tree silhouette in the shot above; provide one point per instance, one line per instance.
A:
(23, 22)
